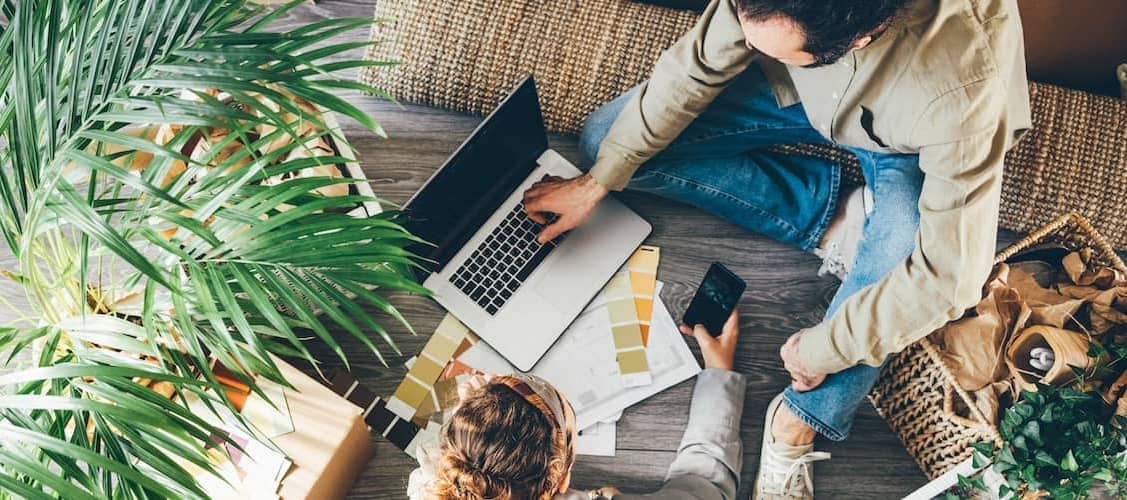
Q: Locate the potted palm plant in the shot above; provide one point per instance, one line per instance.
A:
(151, 219)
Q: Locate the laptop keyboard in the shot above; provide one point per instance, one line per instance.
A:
(501, 263)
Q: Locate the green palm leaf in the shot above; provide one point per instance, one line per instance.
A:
(146, 258)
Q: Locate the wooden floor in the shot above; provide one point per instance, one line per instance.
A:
(783, 296)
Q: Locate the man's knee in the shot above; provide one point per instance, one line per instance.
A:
(896, 231)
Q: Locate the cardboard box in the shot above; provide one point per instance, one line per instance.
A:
(320, 441)
(330, 445)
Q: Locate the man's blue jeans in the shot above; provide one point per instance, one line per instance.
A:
(718, 164)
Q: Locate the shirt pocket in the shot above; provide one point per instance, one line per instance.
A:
(868, 126)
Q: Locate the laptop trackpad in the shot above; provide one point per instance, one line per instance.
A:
(566, 282)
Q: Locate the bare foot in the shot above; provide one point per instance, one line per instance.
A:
(788, 429)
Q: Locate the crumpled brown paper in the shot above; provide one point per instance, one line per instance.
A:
(1047, 306)
(1069, 347)
(1083, 270)
(973, 346)
(1078, 295)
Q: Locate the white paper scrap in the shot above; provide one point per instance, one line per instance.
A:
(255, 472)
(271, 420)
(598, 440)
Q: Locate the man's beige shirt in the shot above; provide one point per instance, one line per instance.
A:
(946, 82)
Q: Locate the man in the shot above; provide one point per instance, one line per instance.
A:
(928, 94)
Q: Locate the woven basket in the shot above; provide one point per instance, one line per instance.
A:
(917, 394)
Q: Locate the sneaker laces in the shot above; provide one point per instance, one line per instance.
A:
(782, 472)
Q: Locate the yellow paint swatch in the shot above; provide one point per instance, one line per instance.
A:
(626, 331)
(415, 393)
(427, 369)
(634, 360)
(643, 281)
(412, 393)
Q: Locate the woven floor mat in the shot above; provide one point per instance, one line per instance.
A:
(467, 55)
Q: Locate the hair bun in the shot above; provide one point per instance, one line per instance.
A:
(460, 480)
(497, 445)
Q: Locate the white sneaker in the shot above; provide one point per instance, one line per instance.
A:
(785, 472)
(844, 234)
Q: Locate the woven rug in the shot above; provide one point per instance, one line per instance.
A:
(467, 55)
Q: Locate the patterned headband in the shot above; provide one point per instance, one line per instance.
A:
(540, 394)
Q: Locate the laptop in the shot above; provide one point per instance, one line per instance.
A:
(486, 267)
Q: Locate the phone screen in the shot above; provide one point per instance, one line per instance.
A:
(715, 298)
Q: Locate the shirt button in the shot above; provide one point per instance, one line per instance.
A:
(834, 95)
(824, 127)
(845, 63)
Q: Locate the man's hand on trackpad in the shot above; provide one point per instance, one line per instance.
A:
(572, 200)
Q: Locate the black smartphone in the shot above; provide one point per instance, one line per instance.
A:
(716, 297)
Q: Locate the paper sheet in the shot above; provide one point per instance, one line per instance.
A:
(583, 368)
(1028, 304)
(598, 440)
(256, 474)
(271, 420)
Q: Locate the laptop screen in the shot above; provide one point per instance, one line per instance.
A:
(470, 187)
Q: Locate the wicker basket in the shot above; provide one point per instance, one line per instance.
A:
(917, 394)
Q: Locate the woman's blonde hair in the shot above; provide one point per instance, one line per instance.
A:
(498, 445)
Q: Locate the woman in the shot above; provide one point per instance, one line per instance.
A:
(513, 437)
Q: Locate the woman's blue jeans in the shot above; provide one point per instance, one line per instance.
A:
(718, 164)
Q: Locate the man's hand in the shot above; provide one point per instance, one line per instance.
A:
(719, 352)
(801, 380)
(572, 200)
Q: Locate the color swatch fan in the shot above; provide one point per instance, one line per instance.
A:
(629, 300)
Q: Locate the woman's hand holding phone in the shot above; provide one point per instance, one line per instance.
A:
(719, 351)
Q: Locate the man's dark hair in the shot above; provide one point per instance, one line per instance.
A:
(830, 26)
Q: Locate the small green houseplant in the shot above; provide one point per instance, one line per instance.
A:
(1059, 442)
(146, 259)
